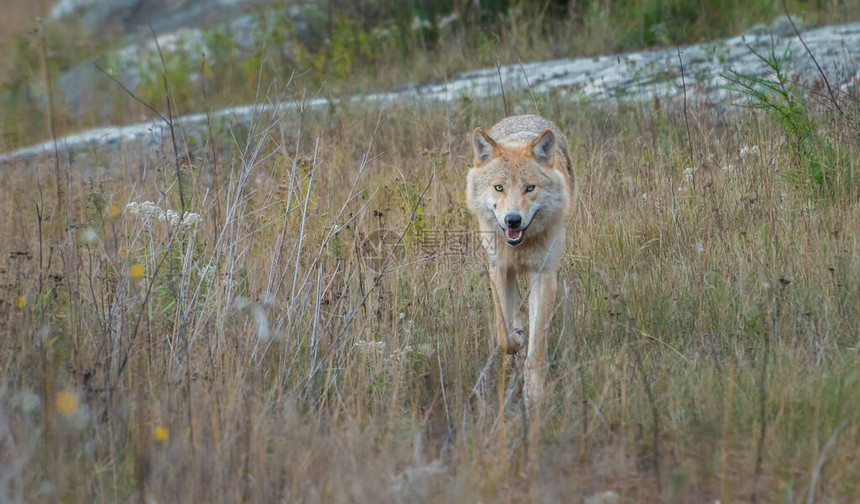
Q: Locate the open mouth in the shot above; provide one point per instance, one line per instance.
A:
(514, 236)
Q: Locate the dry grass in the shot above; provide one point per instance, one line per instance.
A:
(18, 16)
(243, 363)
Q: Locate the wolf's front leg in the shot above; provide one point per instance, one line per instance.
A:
(507, 301)
(542, 287)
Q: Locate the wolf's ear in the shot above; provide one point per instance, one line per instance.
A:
(483, 145)
(543, 147)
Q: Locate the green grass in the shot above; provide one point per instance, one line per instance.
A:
(253, 338)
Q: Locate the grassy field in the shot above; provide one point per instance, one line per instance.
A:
(302, 316)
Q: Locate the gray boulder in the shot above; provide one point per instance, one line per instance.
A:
(135, 16)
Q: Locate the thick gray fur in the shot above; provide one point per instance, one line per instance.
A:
(525, 128)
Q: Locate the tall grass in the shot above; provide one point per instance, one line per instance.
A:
(278, 350)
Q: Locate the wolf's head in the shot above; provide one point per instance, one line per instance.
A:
(521, 187)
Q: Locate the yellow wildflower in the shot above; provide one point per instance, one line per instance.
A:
(66, 402)
(160, 434)
(20, 302)
(136, 270)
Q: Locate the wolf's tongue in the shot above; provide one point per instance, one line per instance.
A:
(514, 234)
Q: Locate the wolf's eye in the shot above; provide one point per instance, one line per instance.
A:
(530, 188)
(498, 188)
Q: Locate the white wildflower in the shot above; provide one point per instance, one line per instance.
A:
(262, 320)
(418, 23)
(147, 210)
(399, 355)
(191, 219)
(450, 18)
(689, 173)
(395, 356)
(370, 347)
(44, 331)
(746, 150)
(184, 222)
(241, 302)
(89, 235)
(28, 402)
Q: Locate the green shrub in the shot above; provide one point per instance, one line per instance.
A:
(815, 160)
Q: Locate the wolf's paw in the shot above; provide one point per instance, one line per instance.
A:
(516, 340)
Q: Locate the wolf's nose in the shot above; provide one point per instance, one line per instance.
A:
(513, 221)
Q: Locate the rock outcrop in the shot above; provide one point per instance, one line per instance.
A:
(610, 79)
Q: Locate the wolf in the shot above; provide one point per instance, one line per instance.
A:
(521, 191)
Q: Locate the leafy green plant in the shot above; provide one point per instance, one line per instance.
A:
(177, 70)
(815, 160)
(347, 47)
